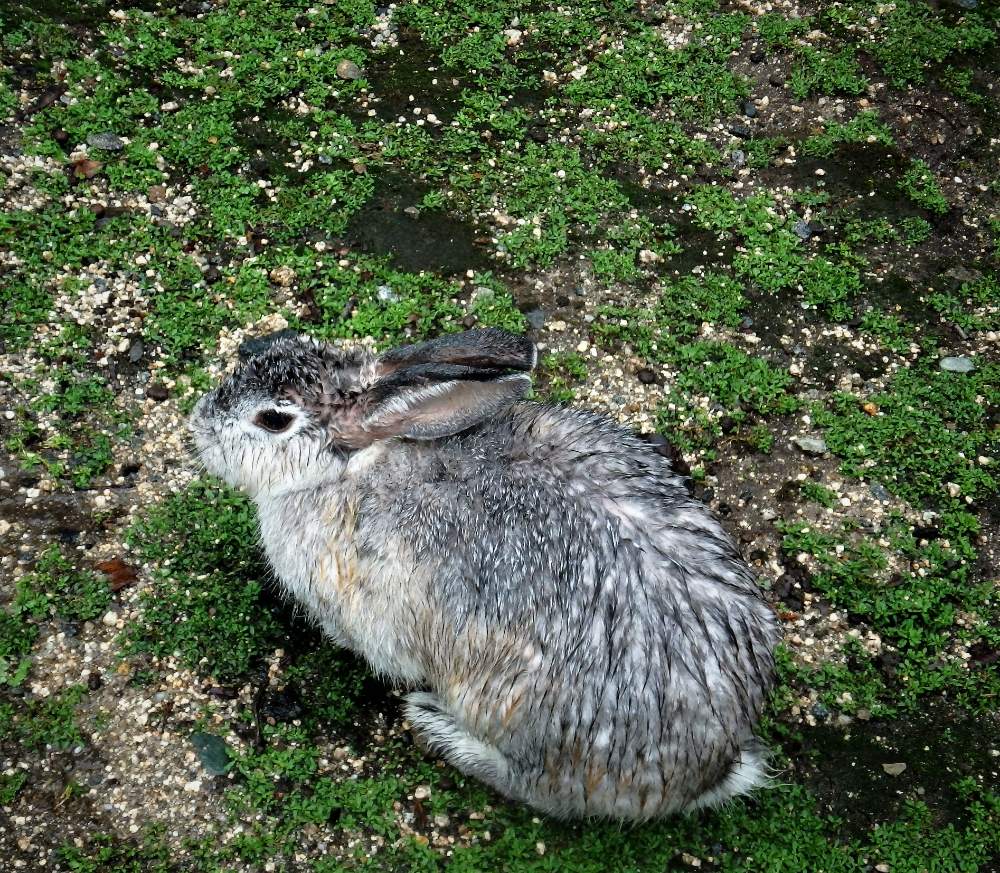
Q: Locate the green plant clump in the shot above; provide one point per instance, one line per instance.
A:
(205, 602)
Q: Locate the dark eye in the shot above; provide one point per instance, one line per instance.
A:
(272, 420)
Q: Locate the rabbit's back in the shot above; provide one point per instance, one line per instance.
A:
(583, 614)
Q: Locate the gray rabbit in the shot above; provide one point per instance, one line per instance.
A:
(585, 635)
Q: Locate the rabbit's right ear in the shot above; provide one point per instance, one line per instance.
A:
(444, 386)
(439, 401)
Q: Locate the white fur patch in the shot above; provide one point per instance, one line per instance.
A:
(748, 773)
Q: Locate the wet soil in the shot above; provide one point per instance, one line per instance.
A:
(415, 240)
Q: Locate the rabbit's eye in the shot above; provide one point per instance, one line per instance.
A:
(272, 420)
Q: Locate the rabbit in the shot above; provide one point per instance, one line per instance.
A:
(576, 631)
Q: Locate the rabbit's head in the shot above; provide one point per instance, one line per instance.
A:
(296, 409)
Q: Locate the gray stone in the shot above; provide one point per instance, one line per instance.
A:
(107, 141)
(750, 109)
(741, 130)
(802, 229)
(213, 752)
(878, 492)
(811, 445)
(737, 158)
(957, 365)
(348, 70)
(535, 319)
(964, 274)
(386, 294)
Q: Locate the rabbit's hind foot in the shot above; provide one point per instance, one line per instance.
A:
(442, 733)
(748, 772)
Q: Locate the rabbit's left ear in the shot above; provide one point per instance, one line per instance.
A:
(487, 348)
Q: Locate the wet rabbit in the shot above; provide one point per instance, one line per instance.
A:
(583, 635)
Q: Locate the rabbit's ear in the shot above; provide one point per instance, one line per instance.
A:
(486, 348)
(429, 401)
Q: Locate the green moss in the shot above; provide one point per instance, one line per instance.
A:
(559, 374)
(920, 185)
(818, 493)
(310, 796)
(187, 317)
(105, 853)
(779, 31)
(205, 602)
(11, 785)
(42, 723)
(55, 588)
(82, 423)
(616, 132)
(17, 636)
(550, 189)
(930, 429)
(892, 332)
(694, 81)
(760, 151)
(916, 842)
(915, 230)
(822, 72)
(70, 593)
(972, 307)
(911, 37)
(865, 127)
(830, 285)
(493, 306)
(734, 379)
(913, 613)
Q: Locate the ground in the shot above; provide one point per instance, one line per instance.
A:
(765, 234)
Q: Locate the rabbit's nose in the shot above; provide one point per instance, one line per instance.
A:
(254, 346)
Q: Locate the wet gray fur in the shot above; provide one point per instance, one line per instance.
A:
(581, 634)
